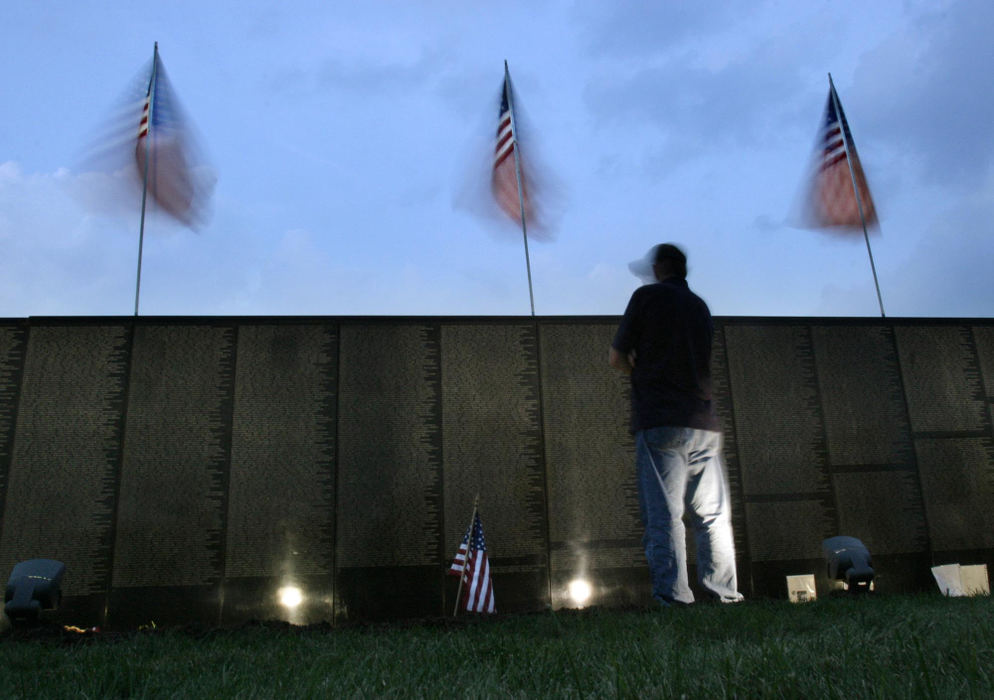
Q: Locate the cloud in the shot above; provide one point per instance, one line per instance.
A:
(723, 91)
(949, 272)
(364, 53)
(941, 271)
(696, 108)
(630, 28)
(376, 74)
(929, 94)
(57, 259)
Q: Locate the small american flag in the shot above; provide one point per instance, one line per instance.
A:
(832, 200)
(504, 181)
(472, 563)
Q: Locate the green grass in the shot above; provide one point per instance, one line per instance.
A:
(880, 646)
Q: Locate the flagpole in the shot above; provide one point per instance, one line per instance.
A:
(517, 173)
(859, 200)
(469, 542)
(150, 96)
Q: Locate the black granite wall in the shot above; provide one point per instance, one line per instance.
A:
(185, 469)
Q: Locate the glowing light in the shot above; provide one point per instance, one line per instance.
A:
(580, 591)
(290, 596)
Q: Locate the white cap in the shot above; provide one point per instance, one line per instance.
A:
(642, 268)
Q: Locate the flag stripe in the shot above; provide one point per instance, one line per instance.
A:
(504, 181)
(459, 563)
(143, 125)
(162, 150)
(500, 159)
(479, 592)
(472, 562)
(829, 162)
(833, 202)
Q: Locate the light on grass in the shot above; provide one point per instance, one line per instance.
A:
(290, 597)
(580, 591)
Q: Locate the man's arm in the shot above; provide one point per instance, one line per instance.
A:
(625, 337)
(621, 362)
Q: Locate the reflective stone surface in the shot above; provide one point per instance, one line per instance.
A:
(324, 469)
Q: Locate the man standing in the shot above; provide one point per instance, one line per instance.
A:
(664, 343)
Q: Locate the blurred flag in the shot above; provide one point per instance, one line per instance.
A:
(831, 201)
(163, 153)
(504, 181)
(149, 124)
(472, 564)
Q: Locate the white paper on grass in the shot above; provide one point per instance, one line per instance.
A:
(801, 588)
(974, 579)
(947, 577)
(955, 580)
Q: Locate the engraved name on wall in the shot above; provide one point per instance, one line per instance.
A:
(492, 443)
(65, 460)
(173, 497)
(390, 471)
(593, 498)
(281, 512)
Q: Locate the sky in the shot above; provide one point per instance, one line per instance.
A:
(351, 142)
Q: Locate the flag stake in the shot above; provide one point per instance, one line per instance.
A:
(517, 173)
(855, 187)
(150, 96)
(462, 574)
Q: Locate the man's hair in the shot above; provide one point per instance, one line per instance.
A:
(671, 261)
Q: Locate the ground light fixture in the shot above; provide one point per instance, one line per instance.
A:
(290, 597)
(34, 585)
(580, 591)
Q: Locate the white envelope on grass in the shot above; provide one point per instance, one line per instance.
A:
(955, 580)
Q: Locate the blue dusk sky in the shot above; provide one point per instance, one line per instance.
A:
(351, 144)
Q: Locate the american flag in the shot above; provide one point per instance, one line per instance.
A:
(504, 181)
(172, 181)
(472, 563)
(832, 200)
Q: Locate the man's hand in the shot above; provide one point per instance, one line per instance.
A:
(622, 363)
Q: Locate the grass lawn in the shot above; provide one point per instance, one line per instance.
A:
(847, 647)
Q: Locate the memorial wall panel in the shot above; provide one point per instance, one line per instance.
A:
(780, 439)
(590, 456)
(883, 509)
(390, 461)
(984, 341)
(13, 346)
(787, 530)
(941, 379)
(862, 397)
(871, 454)
(281, 503)
(492, 442)
(65, 461)
(958, 482)
(174, 482)
(184, 468)
(724, 407)
(778, 426)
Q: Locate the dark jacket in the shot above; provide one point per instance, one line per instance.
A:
(670, 329)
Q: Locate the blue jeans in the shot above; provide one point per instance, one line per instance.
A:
(678, 466)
